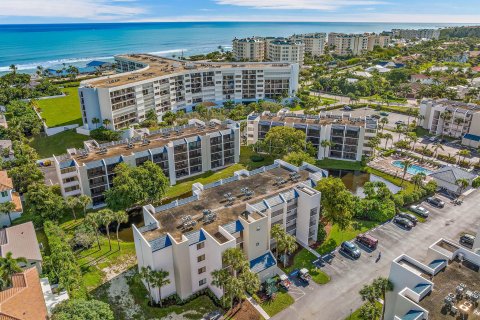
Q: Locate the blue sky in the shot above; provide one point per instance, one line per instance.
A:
(64, 11)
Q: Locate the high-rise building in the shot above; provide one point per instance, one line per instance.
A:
(348, 135)
(187, 237)
(416, 33)
(249, 49)
(181, 152)
(356, 44)
(148, 82)
(285, 50)
(314, 42)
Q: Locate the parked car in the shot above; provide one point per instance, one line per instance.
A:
(400, 122)
(304, 275)
(383, 113)
(214, 315)
(375, 116)
(434, 201)
(408, 216)
(285, 282)
(433, 139)
(407, 224)
(350, 249)
(467, 239)
(421, 211)
(347, 108)
(367, 240)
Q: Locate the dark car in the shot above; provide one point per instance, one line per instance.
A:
(407, 224)
(467, 239)
(367, 240)
(434, 201)
(350, 249)
(408, 216)
(375, 116)
(347, 108)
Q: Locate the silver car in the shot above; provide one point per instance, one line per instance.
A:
(420, 210)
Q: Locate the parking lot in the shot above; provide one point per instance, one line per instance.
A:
(338, 298)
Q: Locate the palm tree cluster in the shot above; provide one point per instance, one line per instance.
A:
(371, 294)
(105, 218)
(155, 279)
(236, 278)
(284, 242)
(8, 267)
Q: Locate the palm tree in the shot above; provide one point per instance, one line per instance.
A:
(413, 139)
(146, 274)
(106, 122)
(384, 121)
(277, 233)
(235, 259)
(120, 217)
(369, 293)
(387, 136)
(73, 204)
(14, 69)
(437, 146)
(289, 245)
(463, 153)
(445, 116)
(220, 278)
(95, 121)
(382, 285)
(106, 218)
(84, 201)
(9, 266)
(93, 219)
(250, 280)
(325, 144)
(369, 311)
(7, 208)
(159, 279)
(418, 179)
(399, 130)
(462, 184)
(406, 164)
(424, 151)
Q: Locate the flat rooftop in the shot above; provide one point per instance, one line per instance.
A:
(446, 282)
(322, 119)
(156, 140)
(264, 185)
(161, 66)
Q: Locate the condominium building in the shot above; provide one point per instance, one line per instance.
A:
(356, 44)
(187, 237)
(148, 82)
(314, 42)
(444, 285)
(181, 152)
(249, 49)
(348, 136)
(452, 118)
(416, 33)
(285, 50)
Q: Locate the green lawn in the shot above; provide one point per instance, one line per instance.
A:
(379, 98)
(247, 152)
(337, 236)
(57, 144)
(62, 111)
(408, 186)
(282, 301)
(356, 314)
(339, 164)
(303, 259)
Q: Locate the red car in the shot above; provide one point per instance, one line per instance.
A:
(285, 282)
(367, 240)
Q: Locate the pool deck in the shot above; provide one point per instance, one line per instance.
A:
(385, 164)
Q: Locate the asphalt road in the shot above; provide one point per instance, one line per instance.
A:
(338, 298)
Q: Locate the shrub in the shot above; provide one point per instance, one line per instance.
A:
(322, 233)
(464, 164)
(476, 182)
(446, 158)
(103, 134)
(257, 158)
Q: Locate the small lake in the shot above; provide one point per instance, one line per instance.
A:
(355, 180)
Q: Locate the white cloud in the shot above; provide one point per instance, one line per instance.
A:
(86, 9)
(298, 4)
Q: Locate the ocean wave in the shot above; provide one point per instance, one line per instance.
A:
(52, 63)
(160, 53)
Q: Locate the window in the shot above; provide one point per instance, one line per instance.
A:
(200, 245)
(201, 258)
(202, 270)
(258, 243)
(4, 194)
(258, 228)
(202, 282)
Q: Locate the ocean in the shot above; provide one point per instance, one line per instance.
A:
(52, 45)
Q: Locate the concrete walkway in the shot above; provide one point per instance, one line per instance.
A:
(315, 253)
(258, 307)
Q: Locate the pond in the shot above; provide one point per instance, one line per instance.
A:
(355, 180)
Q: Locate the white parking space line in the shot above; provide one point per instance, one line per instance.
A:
(296, 292)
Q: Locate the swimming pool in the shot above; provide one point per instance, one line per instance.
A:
(413, 169)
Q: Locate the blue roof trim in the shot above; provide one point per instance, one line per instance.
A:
(473, 137)
(233, 227)
(412, 315)
(195, 237)
(263, 262)
(160, 243)
(67, 164)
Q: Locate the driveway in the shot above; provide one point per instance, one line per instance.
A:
(338, 298)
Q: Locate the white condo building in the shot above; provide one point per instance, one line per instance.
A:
(148, 82)
(356, 44)
(416, 33)
(285, 50)
(181, 152)
(348, 135)
(444, 285)
(462, 121)
(314, 42)
(187, 237)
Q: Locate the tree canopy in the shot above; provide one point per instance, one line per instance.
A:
(337, 202)
(81, 309)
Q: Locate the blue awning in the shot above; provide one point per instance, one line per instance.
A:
(262, 263)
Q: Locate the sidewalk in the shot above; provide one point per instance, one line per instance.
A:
(258, 307)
